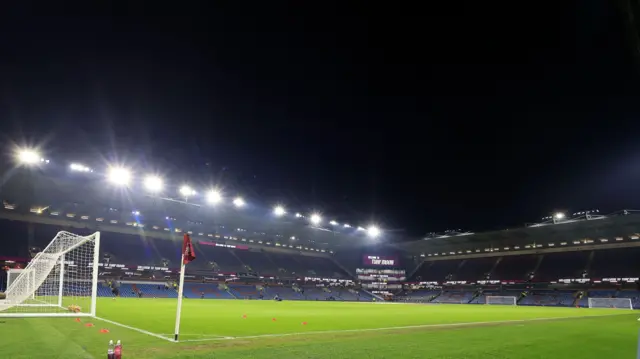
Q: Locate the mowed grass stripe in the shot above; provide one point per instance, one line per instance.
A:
(409, 327)
(352, 330)
(234, 318)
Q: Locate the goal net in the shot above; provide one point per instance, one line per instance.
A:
(62, 280)
(13, 273)
(614, 303)
(500, 300)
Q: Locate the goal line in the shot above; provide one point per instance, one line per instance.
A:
(159, 336)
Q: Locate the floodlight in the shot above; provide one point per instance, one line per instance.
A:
(214, 196)
(187, 191)
(279, 211)
(119, 176)
(238, 202)
(373, 231)
(135, 213)
(298, 215)
(559, 215)
(333, 223)
(360, 229)
(28, 157)
(316, 219)
(79, 167)
(346, 225)
(153, 183)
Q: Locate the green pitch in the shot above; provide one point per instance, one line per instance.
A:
(247, 329)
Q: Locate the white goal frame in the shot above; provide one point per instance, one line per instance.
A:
(18, 271)
(628, 300)
(487, 302)
(41, 265)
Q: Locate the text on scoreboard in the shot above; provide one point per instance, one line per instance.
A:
(380, 260)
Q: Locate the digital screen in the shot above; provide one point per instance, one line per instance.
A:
(389, 261)
(215, 244)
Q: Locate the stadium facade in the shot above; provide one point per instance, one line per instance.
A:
(252, 252)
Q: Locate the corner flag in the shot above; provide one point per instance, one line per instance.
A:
(188, 255)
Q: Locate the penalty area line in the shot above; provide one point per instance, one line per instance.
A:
(135, 329)
(200, 335)
(421, 326)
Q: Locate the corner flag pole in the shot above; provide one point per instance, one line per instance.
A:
(180, 291)
(188, 255)
(638, 354)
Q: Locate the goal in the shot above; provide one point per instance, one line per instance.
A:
(501, 300)
(13, 273)
(60, 281)
(614, 303)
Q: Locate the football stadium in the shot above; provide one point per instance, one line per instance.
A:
(173, 270)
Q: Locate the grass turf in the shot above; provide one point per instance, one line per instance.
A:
(332, 330)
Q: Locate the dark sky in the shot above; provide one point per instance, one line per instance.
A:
(422, 119)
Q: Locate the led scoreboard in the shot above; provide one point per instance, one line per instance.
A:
(380, 261)
(381, 280)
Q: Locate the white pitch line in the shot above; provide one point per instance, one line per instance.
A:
(135, 329)
(201, 335)
(399, 328)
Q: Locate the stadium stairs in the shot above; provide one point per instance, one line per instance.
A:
(346, 294)
(283, 292)
(549, 298)
(420, 296)
(241, 291)
(313, 293)
(454, 297)
(577, 299)
(474, 297)
(210, 291)
(339, 265)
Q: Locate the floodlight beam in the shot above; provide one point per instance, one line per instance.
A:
(214, 197)
(315, 219)
(279, 211)
(373, 231)
(119, 176)
(28, 156)
(238, 202)
(187, 191)
(153, 183)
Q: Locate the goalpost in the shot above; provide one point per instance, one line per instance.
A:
(60, 281)
(500, 300)
(613, 303)
(13, 273)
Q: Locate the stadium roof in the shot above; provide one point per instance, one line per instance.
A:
(77, 191)
(579, 229)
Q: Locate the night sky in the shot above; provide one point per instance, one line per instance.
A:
(420, 119)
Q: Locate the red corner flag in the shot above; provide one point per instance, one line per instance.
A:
(187, 249)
